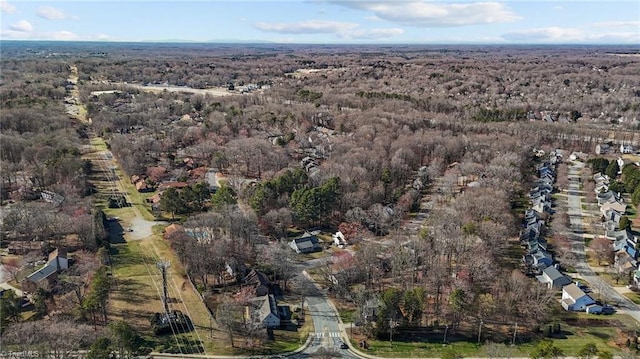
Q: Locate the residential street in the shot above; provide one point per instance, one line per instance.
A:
(597, 284)
(329, 332)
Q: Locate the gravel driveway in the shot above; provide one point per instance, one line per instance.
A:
(140, 228)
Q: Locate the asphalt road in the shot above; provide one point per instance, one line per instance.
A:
(597, 284)
(328, 333)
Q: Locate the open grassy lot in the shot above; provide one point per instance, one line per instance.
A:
(138, 288)
(577, 329)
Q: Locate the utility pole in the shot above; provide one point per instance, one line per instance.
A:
(163, 266)
(446, 328)
(480, 330)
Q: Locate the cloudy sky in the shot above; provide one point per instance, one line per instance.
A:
(326, 21)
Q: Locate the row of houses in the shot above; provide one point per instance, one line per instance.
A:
(624, 243)
(538, 258)
(609, 148)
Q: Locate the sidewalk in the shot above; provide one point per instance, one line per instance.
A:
(7, 286)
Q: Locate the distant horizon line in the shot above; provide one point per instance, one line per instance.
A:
(268, 42)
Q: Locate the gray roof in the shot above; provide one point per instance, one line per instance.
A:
(307, 243)
(573, 291)
(269, 306)
(555, 275)
(42, 273)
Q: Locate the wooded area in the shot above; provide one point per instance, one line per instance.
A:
(355, 144)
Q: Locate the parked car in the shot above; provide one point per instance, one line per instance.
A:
(607, 309)
(344, 346)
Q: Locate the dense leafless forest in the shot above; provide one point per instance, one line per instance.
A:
(331, 137)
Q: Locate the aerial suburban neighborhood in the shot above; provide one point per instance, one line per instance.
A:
(202, 200)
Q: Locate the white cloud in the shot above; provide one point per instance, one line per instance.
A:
(51, 13)
(21, 26)
(373, 34)
(33, 35)
(7, 8)
(559, 35)
(558, 8)
(63, 35)
(307, 27)
(433, 14)
(343, 30)
(619, 24)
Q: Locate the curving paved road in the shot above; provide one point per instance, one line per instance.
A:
(574, 209)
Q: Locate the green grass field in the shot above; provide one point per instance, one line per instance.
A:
(577, 329)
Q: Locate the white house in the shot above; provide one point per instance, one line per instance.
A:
(339, 240)
(268, 312)
(574, 299)
(308, 243)
(626, 149)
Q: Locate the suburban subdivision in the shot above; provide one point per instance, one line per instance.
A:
(330, 201)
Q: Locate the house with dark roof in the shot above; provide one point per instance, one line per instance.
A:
(574, 299)
(47, 275)
(308, 243)
(259, 282)
(541, 259)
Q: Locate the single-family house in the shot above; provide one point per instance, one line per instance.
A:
(612, 215)
(268, 313)
(553, 278)
(308, 243)
(142, 186)
(624, 262)
(599, 177)
(233, 270)
(608, 196)
(171, 230)
(601, 187)
(574, 299)
(618, 206)
(620, 234)
(541, 205)
(626, 149)
(259, 282)
(339, 240)
(47, 275)
(541, 259)
(603, 148)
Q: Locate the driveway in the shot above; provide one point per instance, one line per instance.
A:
(574, 209)
(140, 228)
